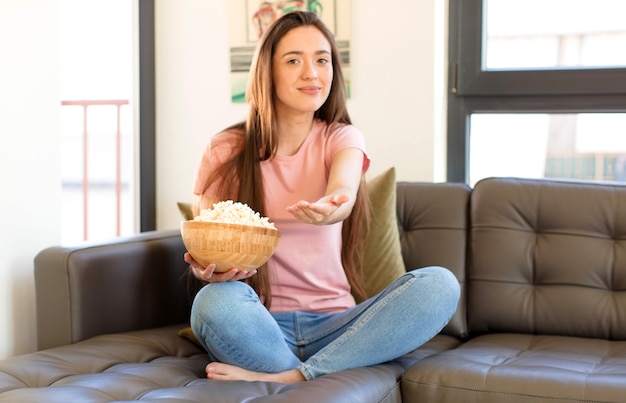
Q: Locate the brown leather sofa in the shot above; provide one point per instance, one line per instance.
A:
(542, 316)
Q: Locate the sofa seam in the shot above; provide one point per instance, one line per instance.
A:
(431, 385)
(389, 390)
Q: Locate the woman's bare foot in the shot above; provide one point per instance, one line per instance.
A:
(226, 372)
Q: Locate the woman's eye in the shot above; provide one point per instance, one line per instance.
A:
(323, 61)
(292, 61)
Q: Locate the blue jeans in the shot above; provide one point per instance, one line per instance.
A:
(235, 328)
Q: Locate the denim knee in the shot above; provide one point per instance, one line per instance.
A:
(216, 292)
(217, 302)
(443, 283)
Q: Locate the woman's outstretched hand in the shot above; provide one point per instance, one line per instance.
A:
(209, 275)
(320, 212)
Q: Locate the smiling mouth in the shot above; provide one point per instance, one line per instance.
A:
(310, 90)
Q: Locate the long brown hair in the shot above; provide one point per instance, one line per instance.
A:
(243, 171)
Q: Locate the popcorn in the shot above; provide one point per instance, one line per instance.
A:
(234, 213)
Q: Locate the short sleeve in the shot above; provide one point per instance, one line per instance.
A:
(342, 137)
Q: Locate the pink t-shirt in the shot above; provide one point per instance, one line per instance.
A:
(306, 270)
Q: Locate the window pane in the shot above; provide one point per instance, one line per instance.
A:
(527, 34)
(590, 146)
(97, 124)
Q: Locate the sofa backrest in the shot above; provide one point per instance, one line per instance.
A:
(433, 224)
(548, 257)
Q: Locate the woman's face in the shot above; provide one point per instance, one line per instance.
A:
(302, 71)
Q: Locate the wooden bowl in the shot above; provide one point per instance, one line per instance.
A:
(246, 247)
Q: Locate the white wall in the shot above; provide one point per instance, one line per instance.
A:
(398, 86)
(30, 210)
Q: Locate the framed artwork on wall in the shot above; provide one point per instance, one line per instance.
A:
(250, 18)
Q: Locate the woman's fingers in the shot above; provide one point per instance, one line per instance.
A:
(209, 275)
(319, 211)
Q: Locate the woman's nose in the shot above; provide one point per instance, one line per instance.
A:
(309, 71)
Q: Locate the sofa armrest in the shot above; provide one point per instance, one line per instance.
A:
(125, 284)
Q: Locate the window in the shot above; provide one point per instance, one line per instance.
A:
(562, 33)
(537, 91)
(99, 111)
(97, 119)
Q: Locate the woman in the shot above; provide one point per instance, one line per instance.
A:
(298, 160)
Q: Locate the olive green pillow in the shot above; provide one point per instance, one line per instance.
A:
(187, 333)
(383, 253)
(185, 210)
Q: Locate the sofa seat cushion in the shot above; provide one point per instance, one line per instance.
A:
(104, 368)
(521, 368)
(159, 365)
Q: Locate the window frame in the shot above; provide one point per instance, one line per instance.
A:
(472, 89)
(147, 120)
